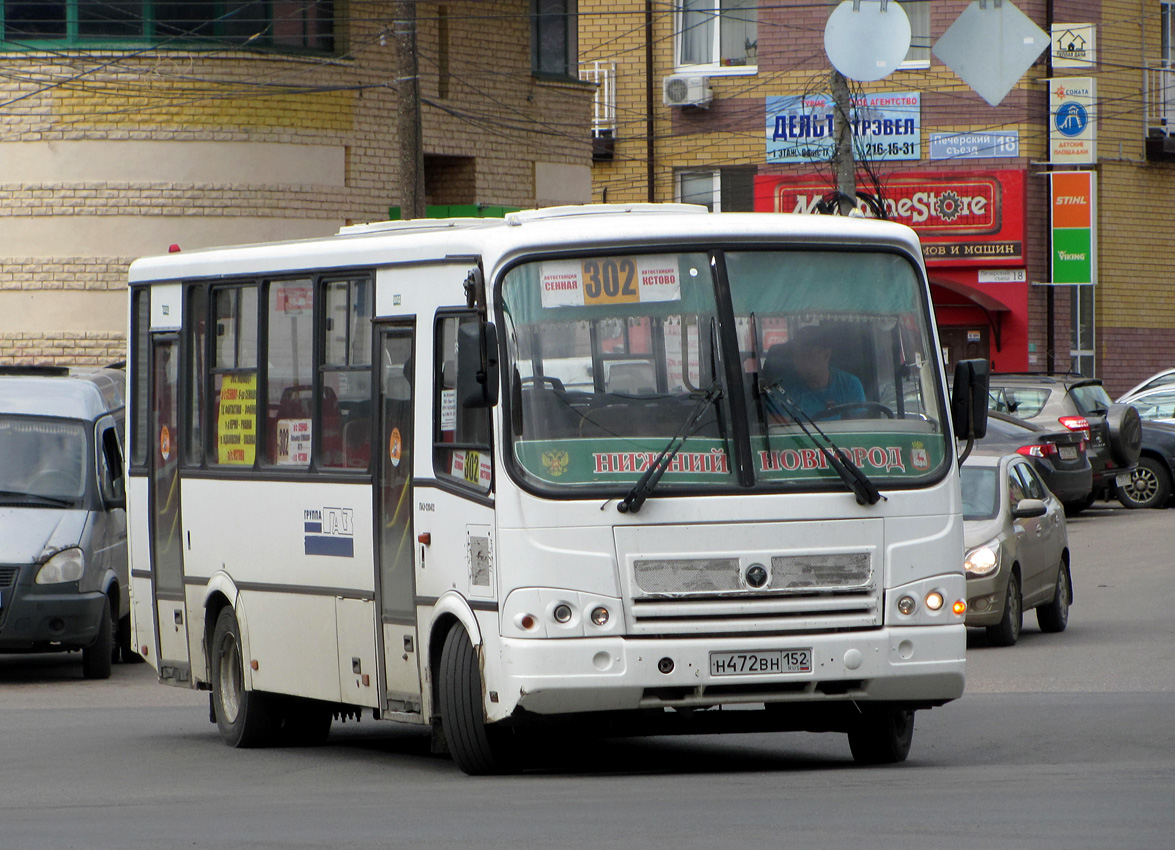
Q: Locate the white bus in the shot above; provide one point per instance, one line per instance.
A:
(502, 477)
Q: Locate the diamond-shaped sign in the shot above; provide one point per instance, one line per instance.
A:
(990, 46)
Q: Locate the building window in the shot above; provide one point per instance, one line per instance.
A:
(919, 53)
(1167, 37)
(718, 33)
(720, 190)
(281, 24)
(1081, 353)
(554, 44)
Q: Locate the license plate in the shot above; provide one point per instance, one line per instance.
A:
(761, 662)
(1068, 453)
(1122, 479)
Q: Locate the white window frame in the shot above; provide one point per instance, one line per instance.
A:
(713, 68)
(715, 202)
(1167, 35)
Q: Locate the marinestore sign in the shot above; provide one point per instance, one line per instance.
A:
(962, 218)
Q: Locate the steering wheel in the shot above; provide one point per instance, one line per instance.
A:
(861, 409)
(538, 380)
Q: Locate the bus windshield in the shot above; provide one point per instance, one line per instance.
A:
(609, 356)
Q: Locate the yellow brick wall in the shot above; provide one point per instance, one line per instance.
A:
(493, 110)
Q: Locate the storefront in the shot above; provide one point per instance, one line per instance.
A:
(972, 228)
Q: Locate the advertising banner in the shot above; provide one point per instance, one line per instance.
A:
(1072, 125)
(973, 218)
(885, 125)
(1072, 203)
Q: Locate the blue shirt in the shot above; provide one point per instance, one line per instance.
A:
(843, 388)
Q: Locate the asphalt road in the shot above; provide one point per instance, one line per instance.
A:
(1063, 741)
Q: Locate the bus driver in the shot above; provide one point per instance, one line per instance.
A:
(808, 376)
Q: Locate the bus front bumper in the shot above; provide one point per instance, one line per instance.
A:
(917, 665)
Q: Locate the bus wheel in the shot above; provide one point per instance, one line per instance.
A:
(245, 718)
(882, 736)
(477, 748)
(97, 658)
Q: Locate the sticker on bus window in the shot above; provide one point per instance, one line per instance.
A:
(236, 420)
(293, 442)
(448, 410)
(475, 467)
(601, 281)
(165, 442)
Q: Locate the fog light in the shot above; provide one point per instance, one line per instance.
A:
(907, 605)
(562, 613)
(600, 616)
(934, 600)
(960, 607)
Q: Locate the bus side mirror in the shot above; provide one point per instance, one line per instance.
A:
(477, 365)
(969, 398)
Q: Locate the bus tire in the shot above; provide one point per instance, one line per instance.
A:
(98, 657)
(882, 736)
(245, 718)
(478, 748)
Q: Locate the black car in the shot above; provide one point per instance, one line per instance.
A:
(1059, 455)
(1113, 431)
(1151, 480)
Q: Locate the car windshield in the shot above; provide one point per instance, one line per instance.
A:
(1091, 398)
(1021, 402)
(42, 457)
(981, 492)
(610, 356)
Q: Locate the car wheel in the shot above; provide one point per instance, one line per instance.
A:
(245, 718)
(1007, 631)
(882, 736)
(1125, 433)
(478, 748)
(98, 657)
(1054, 616)
(1149, 487)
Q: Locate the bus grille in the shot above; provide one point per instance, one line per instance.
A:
(825, 592)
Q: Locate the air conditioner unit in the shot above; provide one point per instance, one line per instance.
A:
(681, 90)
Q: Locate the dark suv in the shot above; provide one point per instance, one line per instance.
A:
(1080, 404)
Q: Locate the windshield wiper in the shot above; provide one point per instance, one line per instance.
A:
(21, 498)
(647, 483)
(856, 480)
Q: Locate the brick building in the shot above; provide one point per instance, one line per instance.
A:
(122, 135)
(738, 87)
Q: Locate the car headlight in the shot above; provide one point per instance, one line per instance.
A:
(66, 565)
(983, 560)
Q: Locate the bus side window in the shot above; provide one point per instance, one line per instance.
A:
(345, 394)
(461, 440)
(290, 386)
(233, 410)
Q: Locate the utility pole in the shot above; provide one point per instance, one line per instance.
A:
(843, 164)
(408, 130)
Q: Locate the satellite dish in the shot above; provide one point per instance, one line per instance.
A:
(866, 42)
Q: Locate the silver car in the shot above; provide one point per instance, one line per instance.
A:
(1017, 548)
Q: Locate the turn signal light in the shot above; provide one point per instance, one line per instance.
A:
(960, 607)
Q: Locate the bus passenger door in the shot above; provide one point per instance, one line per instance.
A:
(395, 582)
(167, 557)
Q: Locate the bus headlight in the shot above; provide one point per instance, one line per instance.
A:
(983, 560)
(66, 565)
(600, 616)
